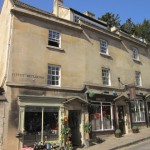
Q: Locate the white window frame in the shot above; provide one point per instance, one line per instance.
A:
(54, 73)
(135, 53)
(138, 80)
(54, 36)
(106, 76)
(101, 104)
(137, 107)
(104, 46)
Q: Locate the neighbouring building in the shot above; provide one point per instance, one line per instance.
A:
(67, 63)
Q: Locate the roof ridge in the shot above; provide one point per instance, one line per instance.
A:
(29, 7)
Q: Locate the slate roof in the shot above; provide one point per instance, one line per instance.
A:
(45, 13)
(31, 8)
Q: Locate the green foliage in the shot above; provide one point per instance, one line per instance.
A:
(135, 128)
(118, 131)
(87, 127)
(111, 19)
(142, 30)
(66, 134)
(128, 27)
(91, 95)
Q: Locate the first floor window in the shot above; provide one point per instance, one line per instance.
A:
(54, 38)
(138, 111)
(40, 124)
(101, 116)
(105, 76)
(138, 78)
(53, 75)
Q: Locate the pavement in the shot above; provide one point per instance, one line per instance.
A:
(113, 143)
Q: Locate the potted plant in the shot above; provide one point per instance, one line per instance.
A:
(135, 129)
(118, 133)
(87, 129)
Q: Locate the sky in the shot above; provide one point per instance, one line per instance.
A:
(137, 10)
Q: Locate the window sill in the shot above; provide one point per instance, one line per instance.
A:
(136, 60)
(55, 48)
(138, 86)
(53, 86)
(104, 54)
(138, 121)
(106, 85)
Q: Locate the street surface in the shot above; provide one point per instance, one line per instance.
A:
(140, 146)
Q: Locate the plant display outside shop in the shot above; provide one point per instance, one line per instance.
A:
(66, 134)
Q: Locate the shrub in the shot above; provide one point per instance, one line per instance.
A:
(135, 128)
(118, 131)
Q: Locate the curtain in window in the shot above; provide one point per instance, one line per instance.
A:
(138, 111)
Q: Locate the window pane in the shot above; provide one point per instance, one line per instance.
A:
(137, 111)
(32, 125)
(101, 118)
(106, 117)
(51, 124)
(54, 38)
(105, 76)
(53, 75)
(103, 46)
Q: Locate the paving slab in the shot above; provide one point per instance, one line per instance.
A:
(113, 143)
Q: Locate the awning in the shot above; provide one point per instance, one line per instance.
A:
(122, 96)
(147, 96)
(94, 91)
(70, 99)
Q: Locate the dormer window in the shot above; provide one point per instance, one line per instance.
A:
(54, 38)
(103, 46)
(76, 18)
(135, 54)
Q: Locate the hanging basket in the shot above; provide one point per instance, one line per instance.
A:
(91, 95)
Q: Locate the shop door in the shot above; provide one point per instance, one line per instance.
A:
(148, 104)
(74, 124)
(121, 119)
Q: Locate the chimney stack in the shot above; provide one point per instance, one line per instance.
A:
(56, 5)
(89, 14)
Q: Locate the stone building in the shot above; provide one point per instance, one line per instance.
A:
(66, 63)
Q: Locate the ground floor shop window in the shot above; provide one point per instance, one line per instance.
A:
(40, 124)
(138, 111)
(101, 116)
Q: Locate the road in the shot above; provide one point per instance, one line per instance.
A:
(140, 146)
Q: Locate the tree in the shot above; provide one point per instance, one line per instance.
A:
(111, 19)
(128, 27)
(142, 30)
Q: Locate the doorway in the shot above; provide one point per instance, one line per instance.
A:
(148, 105)
(74, 124)
(121, 121)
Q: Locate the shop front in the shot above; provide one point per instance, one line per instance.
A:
(41, 120)
(101, 113)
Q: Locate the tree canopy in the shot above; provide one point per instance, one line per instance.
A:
(141, 30)
(111, 19)
(128, 27)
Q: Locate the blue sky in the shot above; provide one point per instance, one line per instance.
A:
(137, 10)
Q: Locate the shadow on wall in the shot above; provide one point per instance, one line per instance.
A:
(14, 114)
